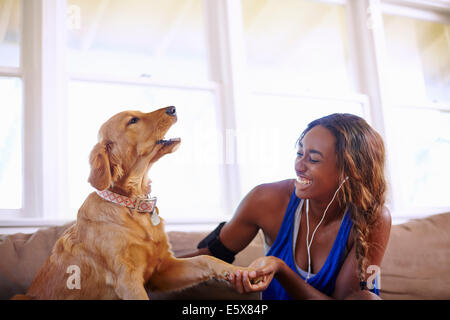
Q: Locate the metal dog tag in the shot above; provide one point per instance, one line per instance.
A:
(154, 218)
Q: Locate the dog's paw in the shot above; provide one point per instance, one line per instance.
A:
(257, 280)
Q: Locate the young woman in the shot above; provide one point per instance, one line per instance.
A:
(327, 230)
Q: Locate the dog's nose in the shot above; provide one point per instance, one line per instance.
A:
(171, 111)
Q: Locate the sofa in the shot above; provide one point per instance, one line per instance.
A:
(416, 264)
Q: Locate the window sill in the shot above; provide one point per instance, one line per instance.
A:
(31, 225)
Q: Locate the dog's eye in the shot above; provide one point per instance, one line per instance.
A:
(133, 120)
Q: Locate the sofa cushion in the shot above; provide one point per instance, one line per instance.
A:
(22, 255)
(417, 259)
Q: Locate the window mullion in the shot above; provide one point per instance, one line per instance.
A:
(31, 53)
(54, 108)
(364, 27)
(224, 33)
(366, 38)
(42, 57)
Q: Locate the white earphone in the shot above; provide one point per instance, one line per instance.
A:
(309, 243)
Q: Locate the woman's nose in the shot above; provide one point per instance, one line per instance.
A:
(300, 165)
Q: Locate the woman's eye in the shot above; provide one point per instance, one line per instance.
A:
(133, 120)
(299, 154)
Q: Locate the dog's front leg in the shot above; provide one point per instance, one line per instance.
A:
(130, 286)
(176, 274)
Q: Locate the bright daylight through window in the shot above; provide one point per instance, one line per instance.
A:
(246, 78)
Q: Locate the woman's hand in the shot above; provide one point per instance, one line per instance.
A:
(258, 280)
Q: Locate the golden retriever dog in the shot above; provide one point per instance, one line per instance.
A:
(113, 251)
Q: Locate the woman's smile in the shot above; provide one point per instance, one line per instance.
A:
(302, 182)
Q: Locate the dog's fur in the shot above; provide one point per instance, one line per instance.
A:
(119, 251)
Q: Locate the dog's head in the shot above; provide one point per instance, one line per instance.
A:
(128, 144)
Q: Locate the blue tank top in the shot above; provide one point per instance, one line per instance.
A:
(325, 279)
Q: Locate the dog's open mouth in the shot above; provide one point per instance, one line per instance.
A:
(168, 145)
(168, 142)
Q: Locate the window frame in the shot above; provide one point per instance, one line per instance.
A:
(434, 11)
(14, 72)
(44, 74)
(42, 70)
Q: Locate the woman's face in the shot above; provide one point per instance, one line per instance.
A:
(316, 165)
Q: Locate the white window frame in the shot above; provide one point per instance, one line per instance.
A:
(426, 10)
(45, 89)
(43, 75)
(13, 72)
(45, 79)
(221, 59)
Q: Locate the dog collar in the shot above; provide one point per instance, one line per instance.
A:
(139, 204)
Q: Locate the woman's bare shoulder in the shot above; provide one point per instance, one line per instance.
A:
(386, 216)
(273, 192)
(264, 206)
(269, 197)
(382, 226)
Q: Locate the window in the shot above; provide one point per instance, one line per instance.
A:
(421, 154)
(289, 45)
(149, 39)
(10, 33)
(191, 171)
(293, 80)
(11, 143)
(11, 130)
(418, 60)
(268, 131)
(246, 78)
(418, 63)
(146, 55)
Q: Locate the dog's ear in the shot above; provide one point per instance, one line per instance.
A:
(100, 176)
(116, 165)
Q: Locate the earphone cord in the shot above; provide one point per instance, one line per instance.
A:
(308, 244)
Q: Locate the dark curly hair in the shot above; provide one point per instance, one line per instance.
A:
(360, 155)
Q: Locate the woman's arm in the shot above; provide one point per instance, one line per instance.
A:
(237, 233)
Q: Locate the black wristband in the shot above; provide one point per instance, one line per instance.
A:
(215, 246)
(218, 250)
(210, 237)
